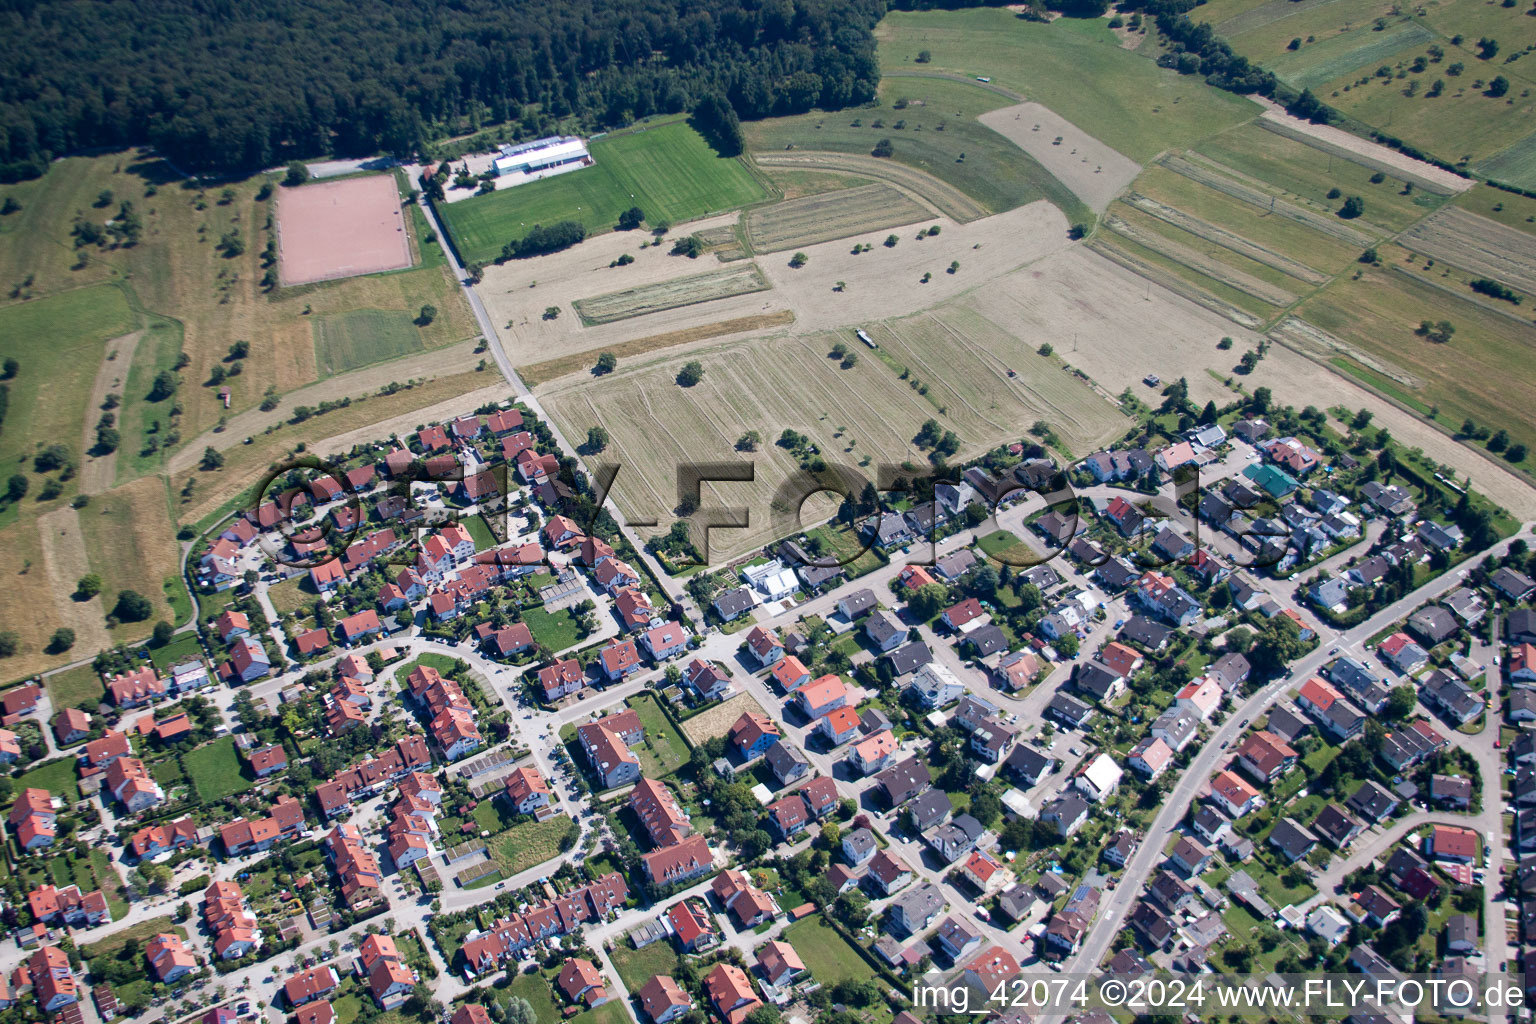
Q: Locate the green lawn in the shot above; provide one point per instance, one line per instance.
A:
(217, 771)
(828, 955)
(555, 630)
(57, 777)
(665, 168)
(178, 650)
(638, 966)
(539, 992)
(1075, 67)
(73, 686)
(347, 1008)
(143, 931)
(346, 341)
(478, 530)
(530, 843)
(496, 816)
(664, 750)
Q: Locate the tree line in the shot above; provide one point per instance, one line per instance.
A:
(227, 87)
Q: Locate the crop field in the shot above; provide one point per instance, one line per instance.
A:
(1235, 17)
(1215, 264)
(1224, 238)
(1076, 67)
(666, 169)
(537, 373)
(1512, 211)
(1220, 298)
(1513, 166)
(346, 341)
(1287, 237)
(1093, 171)
(821, 218)
(1216, 177)
(1298, 171)
(1340, 55)
(855, 416)
(934, 131)
(949, 200)
(1482, 374)
(1475, 243)
(741, 279)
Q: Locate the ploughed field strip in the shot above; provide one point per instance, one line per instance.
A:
(1222, 237)
(1341, 144)
(831, 215)
(1257, 197)
(1322, 62)
(1200, 262)
(1478, 244)
(1267, 14)
(950, 201)
(684, 291)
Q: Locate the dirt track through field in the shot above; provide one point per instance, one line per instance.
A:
(64, 562)
(1094, 172)
(98, 472)
(1264, 201)
(951, 201)
(1368, 154)
(1201, 263)
(1477, 244)
(724, 283)
(1226, 239)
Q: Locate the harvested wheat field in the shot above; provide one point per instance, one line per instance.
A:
(822, 218)
(1094, 172)
(1477, 244)
(717, 721)
(65, 560)
(674, 294)
(950, 364)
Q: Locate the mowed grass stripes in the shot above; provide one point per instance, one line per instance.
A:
(667, 170)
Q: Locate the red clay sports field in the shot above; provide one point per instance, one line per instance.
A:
(342, 228)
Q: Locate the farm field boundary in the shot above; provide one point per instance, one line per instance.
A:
(1255, 197)
(1367, 154)
(1202, 263)
(1094, 172)
(1341, 54)
(946, 198)
(1514, 165)
(1478, 244)
(1456, 290)
(347, 341)
(1222, 237)
(683, 291)
(539, 373)
(1311, 340)
(1175, 284)
(831, 215)
(1266, 14)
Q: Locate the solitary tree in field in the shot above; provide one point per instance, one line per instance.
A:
(597, 439)
(212, 459)
(163, 633)
(427, 315)
(163, 387)
(476, 272)
(749, 441)
(12, 368)
(798, 260)
(691, 373)
(88, 586)
(850, 360)
(1353, 207)
(923, 56)
(240, 350)
(62, 640)
(606, 363)
(132, 606)
(954, 267)
(551, 312)
(890, 241)
(883, 148)
(297, 174)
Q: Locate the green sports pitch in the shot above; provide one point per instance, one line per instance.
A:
(667, 170)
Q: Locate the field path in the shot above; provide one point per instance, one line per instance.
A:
(1199, 261)
(438, 362)
(951, 201)
(64, 562)
(1226, 239)
(98, 472)
(1226, 182)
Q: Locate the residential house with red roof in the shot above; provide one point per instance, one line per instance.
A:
(135, 687)
(169, 957)
(680, 862)
(730, 992)
(315, 983)
(130, 783)
(526, 790)
(581, 983)
(752, 734)
(610, 757)
(823, 696)
(658, 810)
(561, 678)
(662, 999)
(790, 673)
(619, 659)
(71, 726)
(692, 926)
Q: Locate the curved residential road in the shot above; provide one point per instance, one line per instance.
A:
(1193, 781)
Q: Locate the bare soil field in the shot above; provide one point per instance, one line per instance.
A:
(1094, 172)
(1478, 244)
(332, 229)
(1200, 262)
(717, 721)
(1229, 185)
(1222, 237)
(1369, 154)
(676, 293)
(822, 218)
(948, 199)
(518, 296)
(132, 543)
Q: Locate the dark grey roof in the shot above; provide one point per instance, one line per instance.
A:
(1292, 838)
(881, 628)
(929, 809)
(1094, 679)
(1029, 764)
(1142, 630)
(989, 639)
(1287, 724)
(782, 758)
(857, 602)
(909, 657)
(1371, 801)
(733, 602)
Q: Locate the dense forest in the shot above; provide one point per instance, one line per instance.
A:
(225, 85)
